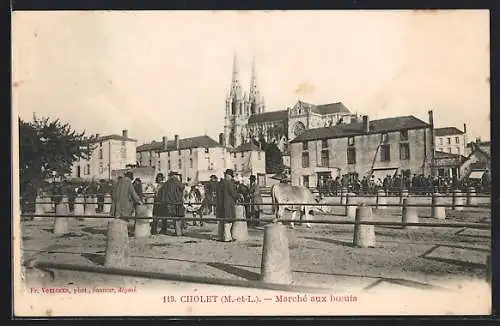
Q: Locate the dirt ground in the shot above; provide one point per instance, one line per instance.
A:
(425, 258)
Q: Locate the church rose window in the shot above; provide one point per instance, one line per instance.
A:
(298, 128)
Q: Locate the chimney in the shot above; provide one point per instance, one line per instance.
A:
(431, 119)
(366, 124)
(221, 139)
(165, 143)
(125, 133)
(465, 128)
(478, 140)
(176, 137)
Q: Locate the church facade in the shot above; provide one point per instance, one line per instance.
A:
(246, 119)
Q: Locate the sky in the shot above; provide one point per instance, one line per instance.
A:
(160, 73)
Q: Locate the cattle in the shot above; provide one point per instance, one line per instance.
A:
(286, 197)
(194, 201)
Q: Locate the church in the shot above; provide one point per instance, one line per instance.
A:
(246, 119)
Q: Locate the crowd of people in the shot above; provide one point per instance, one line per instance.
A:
(393, 185)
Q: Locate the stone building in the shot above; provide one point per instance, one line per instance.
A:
(379, 147)
(246, 119)
(112, 152)
(451, 140)
(199, 157)
(478, 161)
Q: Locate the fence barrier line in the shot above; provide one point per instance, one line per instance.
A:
(289, 204)
(476, 195)
(480, 226)
(180, 278)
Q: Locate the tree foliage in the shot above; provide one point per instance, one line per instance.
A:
(50, 146)
(274, 157)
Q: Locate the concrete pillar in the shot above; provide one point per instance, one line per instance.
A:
(275, 266)
(61, 223)
(381, 199)
(107, 204)
(471, 196)
(350, 208)
(239, 229)
(142, 226)
(409, 215)
(438, 211)
(39, 208)
(364, 235)
(458, 199)
(117, 245)
(404, 194)
(79, 205)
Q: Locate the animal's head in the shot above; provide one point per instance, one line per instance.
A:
(318, 209)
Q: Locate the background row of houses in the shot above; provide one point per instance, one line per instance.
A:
(403, 145)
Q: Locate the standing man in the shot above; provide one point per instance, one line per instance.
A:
(168, 202)
(212, 194)
(255, 200)
(230, 197)
(124, 197)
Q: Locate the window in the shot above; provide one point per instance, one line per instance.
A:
(404, 151)
(100, 144)
(191, 163)
(385, 137)
(305, 160)
(449, 140)
(101, 168)
(325, 158)
(324, 143)
(207, 150)
(350, 141)
(242, 154)
(190, 151)
(305, 181)
(458, 150)
(440, 141)
(234, 154)
(123, 143)
(351, 155)
(168, 154)
(258, 155)
(150, 162)
(235, 167)
(88, 169)
(449, 149)
(180, 164)
(304, 146)
(168, 164)
(242, 167)
(179, 152)
(123, 152)
(385, 153)
(100, 153)
(457, 140)
(403, 135)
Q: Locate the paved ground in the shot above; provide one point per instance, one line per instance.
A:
(427, 258)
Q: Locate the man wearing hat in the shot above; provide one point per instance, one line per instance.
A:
(124, 197)
(255, 199)
(227, 207)
(168, 202)
(212, 194)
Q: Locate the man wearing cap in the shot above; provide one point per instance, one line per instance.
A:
(212, 194)
(124, 197)
(229, 198)
(168, 202)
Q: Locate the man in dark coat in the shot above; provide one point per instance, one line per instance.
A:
(256, 200)
(168, 202)
(124, 197)
(229, 198)
(212, 195)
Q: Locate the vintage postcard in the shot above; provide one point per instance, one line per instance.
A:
(203, 163)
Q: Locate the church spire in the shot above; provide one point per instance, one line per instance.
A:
(253, 82)
(235, 81)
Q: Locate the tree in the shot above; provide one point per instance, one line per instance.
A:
(274, 159)
(47, 147)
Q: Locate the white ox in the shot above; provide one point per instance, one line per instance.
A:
(286, 197)
(194, 201)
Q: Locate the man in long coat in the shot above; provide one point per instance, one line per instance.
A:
(229, 198)
(124, 197)
(168, 202)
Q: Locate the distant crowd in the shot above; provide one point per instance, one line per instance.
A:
(393, 185)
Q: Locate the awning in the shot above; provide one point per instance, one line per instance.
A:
(476, 174)
(382, 173)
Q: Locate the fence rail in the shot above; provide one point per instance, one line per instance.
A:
(480, 226)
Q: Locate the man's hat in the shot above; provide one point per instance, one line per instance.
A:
(213, 176)
(171, 173)
(229, 172)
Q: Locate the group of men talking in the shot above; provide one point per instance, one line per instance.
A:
(169, 197)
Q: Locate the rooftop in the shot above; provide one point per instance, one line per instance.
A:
(113, 137)
(269, 116)
(337, 107)
(192, 142)
(447, 131)
(445, 155)
(356, 128)
(246, 148)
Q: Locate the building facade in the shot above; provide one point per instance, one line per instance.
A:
(246, 119)
(200, 157)
(379, 147)
(112, 152)
(451, 140)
